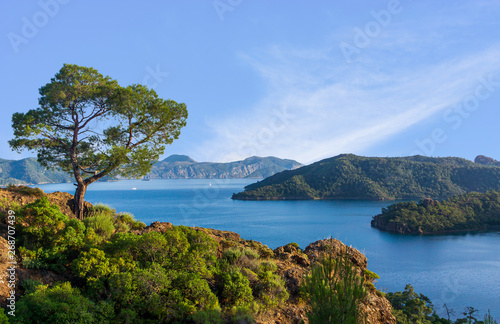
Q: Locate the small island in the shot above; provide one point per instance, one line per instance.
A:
(469, 212)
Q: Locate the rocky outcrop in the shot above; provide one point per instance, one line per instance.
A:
(484, 160)
(25, 195)
(385, 224)
(160, 227)
(294, 264)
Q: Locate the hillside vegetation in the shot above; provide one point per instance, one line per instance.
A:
(469, 212)
(355, 177)
(110, 268)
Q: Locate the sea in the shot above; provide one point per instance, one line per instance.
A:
(458, 270)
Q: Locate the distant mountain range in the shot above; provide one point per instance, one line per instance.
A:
(29, 171)
(183, 167)
(349, 176)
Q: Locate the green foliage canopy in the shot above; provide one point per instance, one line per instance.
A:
(72, 104)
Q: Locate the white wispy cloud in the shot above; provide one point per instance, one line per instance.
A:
(319, 106)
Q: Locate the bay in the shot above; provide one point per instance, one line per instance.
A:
(459, 269)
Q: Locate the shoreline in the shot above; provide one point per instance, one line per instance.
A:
(490, 229)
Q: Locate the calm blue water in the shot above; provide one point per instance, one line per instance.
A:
(459, 270)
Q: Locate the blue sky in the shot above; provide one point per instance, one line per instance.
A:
(282, 78)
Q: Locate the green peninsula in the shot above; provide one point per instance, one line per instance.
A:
(349, 176)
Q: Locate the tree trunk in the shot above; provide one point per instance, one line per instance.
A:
(79, 200)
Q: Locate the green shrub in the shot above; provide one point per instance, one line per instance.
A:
(102, 224)
(31, 259)
(128, 218)
(371, 274)
(270, 289)
(122, 228)
(201, 255)
(30, 285)
(153, 247)
(143, 290)
(122, 244)
(252, 277)
(268, 266)
(380, 293)
(333, 289)
(243, 258)
(242, 315)
(57, 304)
(235, 288)
(296, 245)
(49, 238)
(41, 221)
(250, 254)
(101, 209)
(4, 319)
(127, 316)
(160, 294)
(213, 316)
(190, 293)
(95, 267)
(232, 255)
(6, 205)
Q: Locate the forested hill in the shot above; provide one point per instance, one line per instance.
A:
(348, 176)
(469, 212)
(29, 171)
(183, 167)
